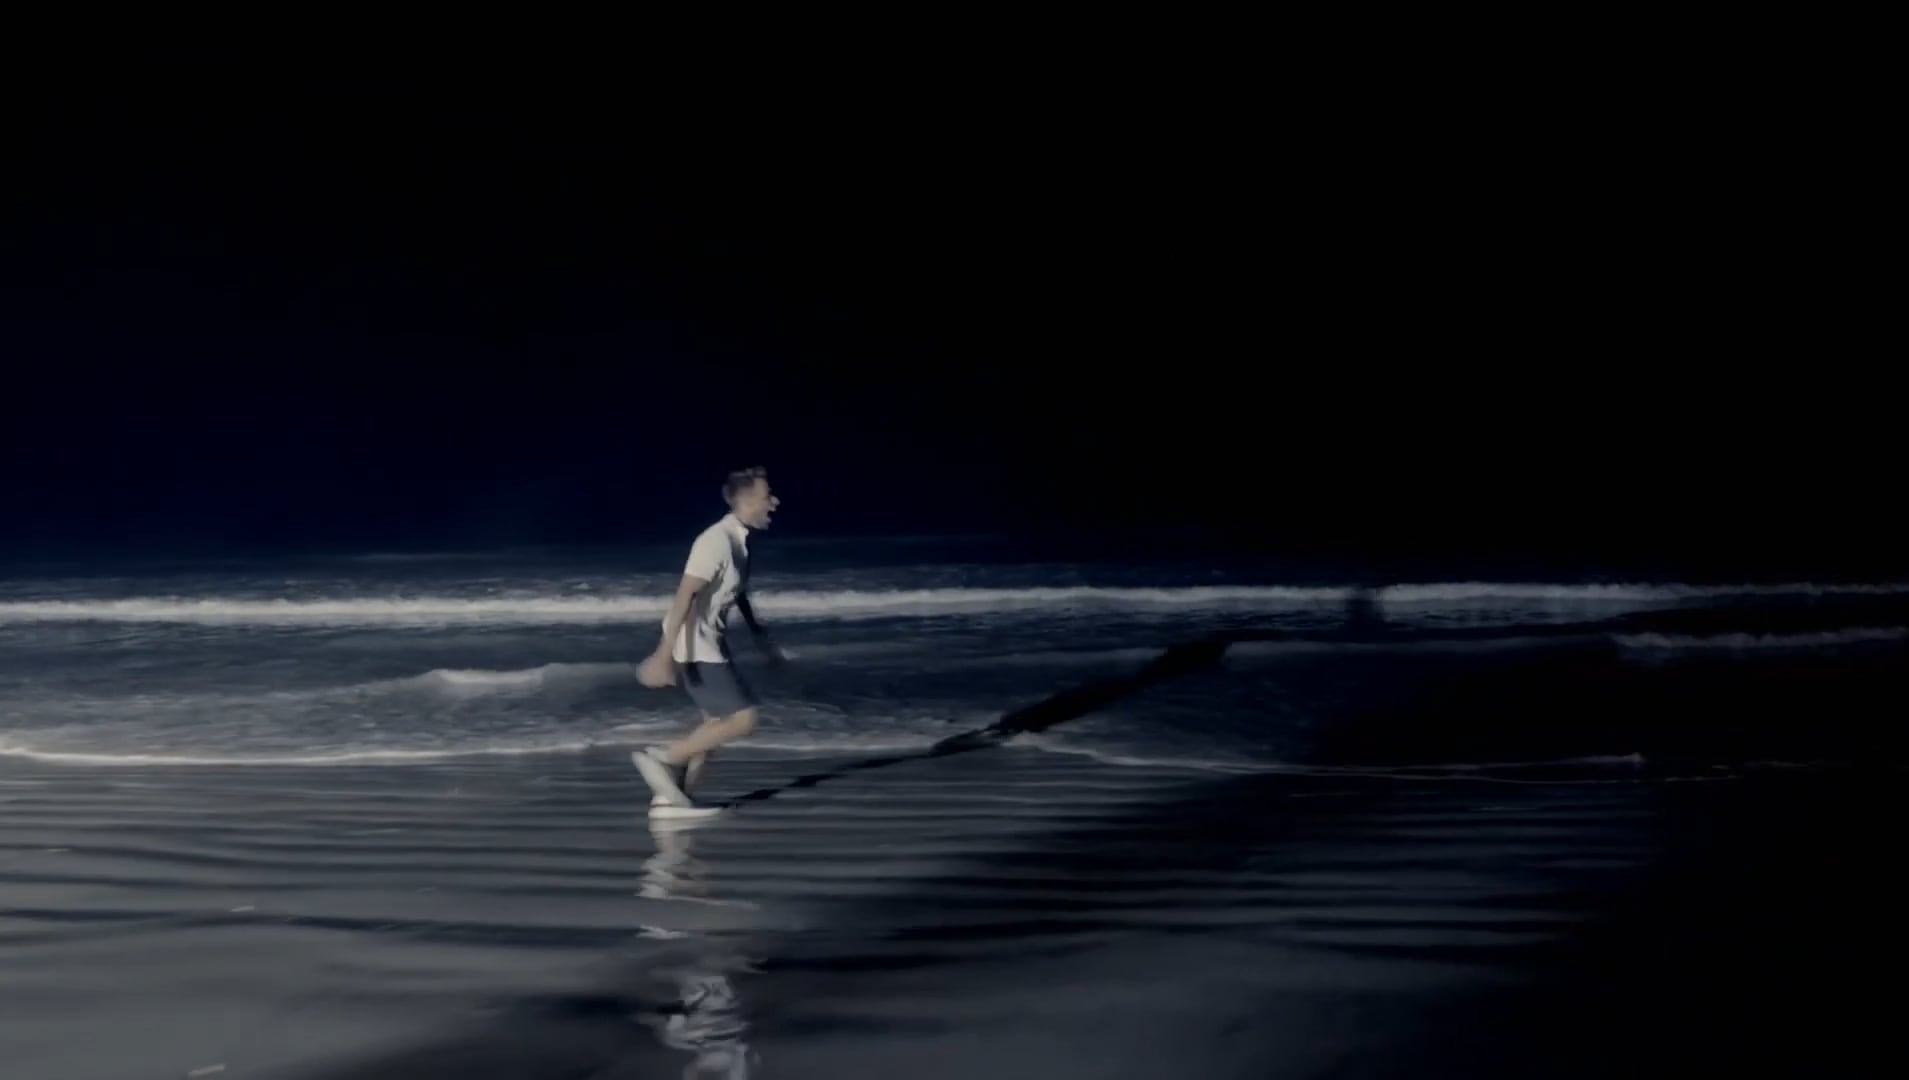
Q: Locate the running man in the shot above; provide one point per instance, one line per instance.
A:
(694, 645)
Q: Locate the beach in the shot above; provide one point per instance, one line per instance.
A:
(1056, 919)
(990, 837)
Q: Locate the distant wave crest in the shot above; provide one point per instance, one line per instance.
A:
(555, 610)
(622, 737)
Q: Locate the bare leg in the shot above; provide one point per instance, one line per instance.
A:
(713, 733)
(693, 769)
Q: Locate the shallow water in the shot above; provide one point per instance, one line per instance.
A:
(987, 913)
(348, 832)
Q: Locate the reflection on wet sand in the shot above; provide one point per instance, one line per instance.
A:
(707, 1021)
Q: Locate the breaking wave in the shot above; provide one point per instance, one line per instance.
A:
(483, 680)
(559, 610)
(294, 757)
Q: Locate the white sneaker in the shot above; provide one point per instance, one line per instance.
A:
(663, 778)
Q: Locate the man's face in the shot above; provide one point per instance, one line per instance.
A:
(755, 504)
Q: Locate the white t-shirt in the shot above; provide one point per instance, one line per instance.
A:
(719, 556)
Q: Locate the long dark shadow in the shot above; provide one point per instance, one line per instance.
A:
(1363, 626)
(1067, 705)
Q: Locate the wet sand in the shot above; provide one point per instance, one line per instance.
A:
(997, 913)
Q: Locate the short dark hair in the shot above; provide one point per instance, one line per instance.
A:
(742, 480)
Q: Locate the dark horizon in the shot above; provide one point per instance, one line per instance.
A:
(332, 315)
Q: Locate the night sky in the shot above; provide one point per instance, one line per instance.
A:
(275, 313)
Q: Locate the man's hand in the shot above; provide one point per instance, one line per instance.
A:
(777, 657)
(657, 672)
(775, 654)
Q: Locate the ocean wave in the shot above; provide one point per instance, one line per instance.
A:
(1647, 593)
(840, 744)
(484, 680)
(1049, 744)
(625, 736)
(1748, 642)
(365, 756)
(852, 604)
(438, 610)
(1052, 744)
(1511, 640)
(1625, 765)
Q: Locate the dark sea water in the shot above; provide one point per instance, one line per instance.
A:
(374, 816)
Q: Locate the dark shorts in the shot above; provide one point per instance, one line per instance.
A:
(718, 689)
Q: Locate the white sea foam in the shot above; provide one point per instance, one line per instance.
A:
(480, 679)
(628, 735)
(483, 680)
(839, 744)
(367, 756)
